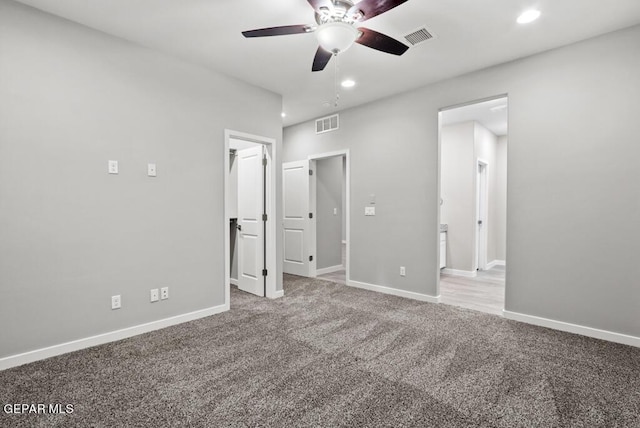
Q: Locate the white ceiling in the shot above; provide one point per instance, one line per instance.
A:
(470, 35)
(492, 114)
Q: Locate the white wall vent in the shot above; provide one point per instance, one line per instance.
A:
(326, 124)
(418, 36)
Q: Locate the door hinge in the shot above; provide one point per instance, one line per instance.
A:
(310, 215)
(264, 272)
(310, 258)
(264, 161)
(264, 217)
(310, 172)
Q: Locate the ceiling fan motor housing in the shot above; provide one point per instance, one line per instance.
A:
(339, 11)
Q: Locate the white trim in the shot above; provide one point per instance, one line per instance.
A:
(347, 241)
(233, 281)
(100, 339)
(277, 294)
(329, 269)
(270, 145)
(574, 328)
(394, 292)
(496, 263)
(456, 272)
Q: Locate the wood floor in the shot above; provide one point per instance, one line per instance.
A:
(339, 276)
(483, 293)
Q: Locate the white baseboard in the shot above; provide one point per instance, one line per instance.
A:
(465, 273)
(574, 328)
(277, 294)
(496, 263)
(394, 291)
(233, 281)
(329, 269)
(100, 339)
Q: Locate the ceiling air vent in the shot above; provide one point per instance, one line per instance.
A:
(418, 36)
(326, 124)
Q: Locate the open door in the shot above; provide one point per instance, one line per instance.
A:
(298, 184)
(251, 236)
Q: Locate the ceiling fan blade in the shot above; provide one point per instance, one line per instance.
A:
(279, 31)
(371, 8)
(321, 59)
(381, 42)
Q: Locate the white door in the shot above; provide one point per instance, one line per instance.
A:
(481, 216)
(251, 226)
(298, 213)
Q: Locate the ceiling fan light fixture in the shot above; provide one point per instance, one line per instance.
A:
(336, 37)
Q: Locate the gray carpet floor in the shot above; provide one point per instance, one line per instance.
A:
(329, 355)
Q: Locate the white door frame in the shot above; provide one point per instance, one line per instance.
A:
(270, 205)
(482, 213)
(344, 153)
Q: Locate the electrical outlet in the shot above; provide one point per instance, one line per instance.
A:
(403, 271)
(164, 293)
(154, 295)
(113, 167)
(116, 302)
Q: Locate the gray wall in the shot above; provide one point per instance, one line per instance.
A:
(71, 236)
(500, 199)
(458, 192)
(329, 173)
(573, 234)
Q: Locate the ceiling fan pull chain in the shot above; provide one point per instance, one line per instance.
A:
(335, 80)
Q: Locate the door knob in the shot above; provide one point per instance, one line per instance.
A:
(239, 227)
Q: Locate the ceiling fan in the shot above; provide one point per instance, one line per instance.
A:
(336, 28)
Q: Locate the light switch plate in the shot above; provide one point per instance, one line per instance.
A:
(154, 295)
(369, 211)
(151, 170)
(113, 167)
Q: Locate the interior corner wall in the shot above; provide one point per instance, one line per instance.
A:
(329, 225)
(71, 235)
(573, 204)
(458, 193)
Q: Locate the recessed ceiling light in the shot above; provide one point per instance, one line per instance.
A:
(348, 83)
(529, 16)
(283, 114)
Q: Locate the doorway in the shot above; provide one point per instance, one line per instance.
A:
(473, 165)
(481, 214)
(250, 226)
(316, 216)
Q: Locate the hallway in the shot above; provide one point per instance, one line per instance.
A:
(483, 293)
